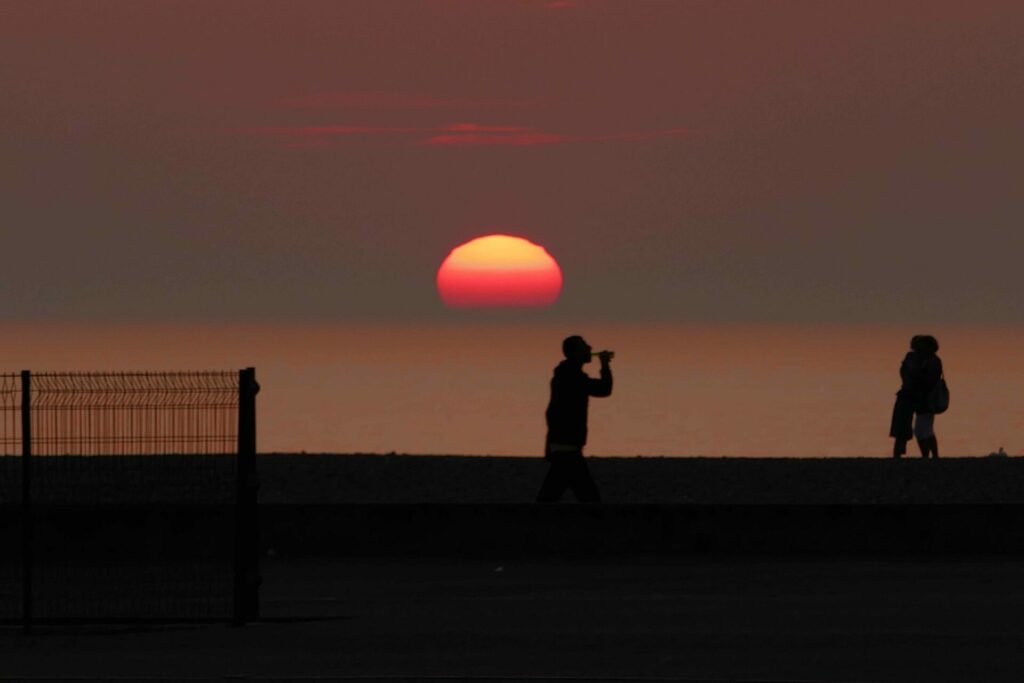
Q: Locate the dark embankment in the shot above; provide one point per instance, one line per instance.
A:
(358, 505)
(361, 505)
(832, 481)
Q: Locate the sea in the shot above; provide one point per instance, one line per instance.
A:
(681, 390)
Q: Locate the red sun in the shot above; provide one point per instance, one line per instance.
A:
(499, 271)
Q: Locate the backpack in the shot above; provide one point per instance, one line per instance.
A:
(938, 400)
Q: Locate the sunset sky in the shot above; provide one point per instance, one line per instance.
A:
(684, 161)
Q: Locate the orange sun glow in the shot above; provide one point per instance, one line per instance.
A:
(499, 271)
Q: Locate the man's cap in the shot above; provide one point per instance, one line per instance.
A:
(570, 344)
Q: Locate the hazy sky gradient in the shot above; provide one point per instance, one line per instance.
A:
(821, 161)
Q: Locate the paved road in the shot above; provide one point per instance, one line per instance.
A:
(812, 620)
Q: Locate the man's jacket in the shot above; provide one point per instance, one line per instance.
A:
(571, 389)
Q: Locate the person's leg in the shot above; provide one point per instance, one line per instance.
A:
(925, 432)
(556, 481)
(935, 446)
(901, 428)
(582, 483)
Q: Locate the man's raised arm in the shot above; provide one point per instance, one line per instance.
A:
(603, 386)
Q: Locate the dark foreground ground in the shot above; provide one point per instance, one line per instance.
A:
(305, 479)
(412, 567)
(937, 619)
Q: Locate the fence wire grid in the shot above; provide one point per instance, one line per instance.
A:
(185, 413)
(132, 485)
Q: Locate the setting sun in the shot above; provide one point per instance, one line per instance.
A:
(499, 271)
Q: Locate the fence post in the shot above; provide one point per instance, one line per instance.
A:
(247, 554)
(26, 501)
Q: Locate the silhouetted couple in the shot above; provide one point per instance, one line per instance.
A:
(923, 395)
(571, 389)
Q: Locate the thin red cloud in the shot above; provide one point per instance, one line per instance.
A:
(455, 134)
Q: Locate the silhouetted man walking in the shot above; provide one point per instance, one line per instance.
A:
(571, 389)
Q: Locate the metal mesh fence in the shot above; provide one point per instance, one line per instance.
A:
(134, 437)
(132, 485)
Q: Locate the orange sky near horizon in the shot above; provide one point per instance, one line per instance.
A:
(680, 390)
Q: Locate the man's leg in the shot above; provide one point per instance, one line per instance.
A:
(582, 483)
(556, 481)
